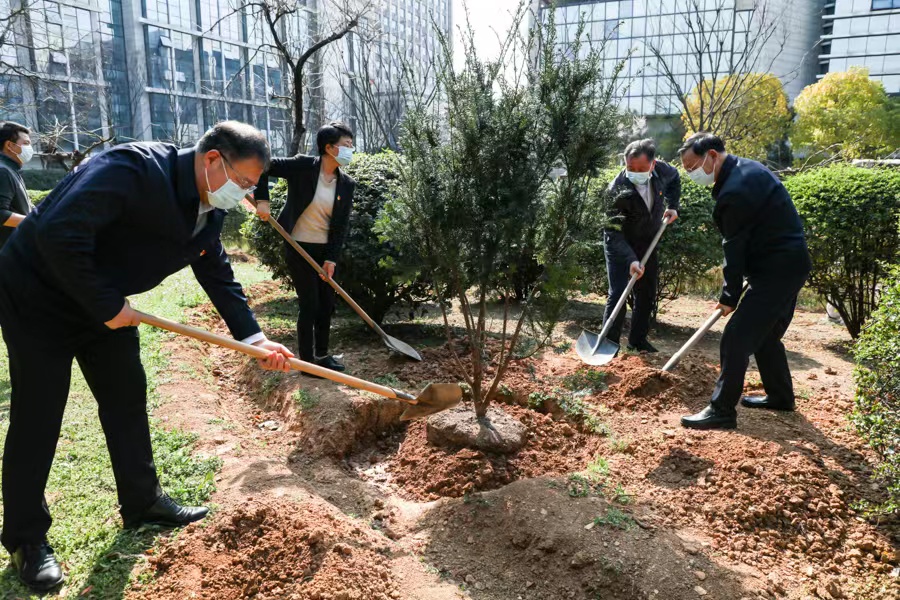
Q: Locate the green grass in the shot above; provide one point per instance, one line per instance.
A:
(86, 531)
(305, 399)
(614, 517)
(585, 379)
(389, 380)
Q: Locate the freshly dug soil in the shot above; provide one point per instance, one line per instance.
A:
(275, 550)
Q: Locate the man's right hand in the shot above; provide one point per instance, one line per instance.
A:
(262, 210)
(127, 317)
(636, 268)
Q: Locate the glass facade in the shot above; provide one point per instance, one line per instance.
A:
(863, 33)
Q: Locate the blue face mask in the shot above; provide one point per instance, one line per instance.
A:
(229, 195)
(638, 177)
(701, 177)
(344, 156)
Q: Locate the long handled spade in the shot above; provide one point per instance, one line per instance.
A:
(391, 342)
(434, 398)
(595, 349)
(698, 335)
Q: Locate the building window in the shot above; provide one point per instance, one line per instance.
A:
(885, 4)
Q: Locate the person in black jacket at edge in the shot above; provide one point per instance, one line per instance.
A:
(763, 239)
(15, 151)
(317, 215)
(640, 196)
(116, 226)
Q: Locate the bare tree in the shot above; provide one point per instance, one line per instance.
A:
(324, 22)
(731, 47)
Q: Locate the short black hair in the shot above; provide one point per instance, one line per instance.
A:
(236, 141)
(332, 134)
(9, 132)
(637, 148)
(702, 142)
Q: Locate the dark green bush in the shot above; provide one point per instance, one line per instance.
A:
(42, 179)
(850, 217)
(877, 413)
(368, 269)
(37, 196)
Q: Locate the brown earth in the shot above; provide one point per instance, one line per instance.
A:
(768, 511)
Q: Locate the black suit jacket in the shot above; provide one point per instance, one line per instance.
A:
(302, 174)
(631, 226)
(116, 226)
(762, 234)
(13, 197)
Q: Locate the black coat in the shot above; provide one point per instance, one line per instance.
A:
(116, 226)
(762, 234)
(631, 226)
(13, 197)
(302, 174)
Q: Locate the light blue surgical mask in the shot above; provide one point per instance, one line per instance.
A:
(344, 156)
(638, 177)
(701, 177)
(229, 195)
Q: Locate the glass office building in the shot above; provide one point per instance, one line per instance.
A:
(169, 69)
(863, 33)
(632, 25)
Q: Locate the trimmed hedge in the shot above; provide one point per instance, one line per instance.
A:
(42, 179)
(850, 218)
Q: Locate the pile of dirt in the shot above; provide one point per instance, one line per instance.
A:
(535, 541)
(427, 472)
(271, 551)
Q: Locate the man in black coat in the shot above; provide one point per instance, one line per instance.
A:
(15, 151)
(116, 226)
(643, 193)
(317, 215)
(763, 239)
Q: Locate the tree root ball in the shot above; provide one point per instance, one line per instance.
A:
(497, 432)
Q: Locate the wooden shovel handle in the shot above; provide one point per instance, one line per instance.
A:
(262, 353)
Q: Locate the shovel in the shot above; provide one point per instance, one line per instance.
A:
(595, 349)
(391, 342)
(698, 335)
(433, 399)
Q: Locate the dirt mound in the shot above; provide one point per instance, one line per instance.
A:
(270, 551)
(534, 540)
(427, 472)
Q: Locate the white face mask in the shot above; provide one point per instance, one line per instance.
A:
(229, 195)
(638, 177)
(701, 177)
(344, 156)
(26, 153)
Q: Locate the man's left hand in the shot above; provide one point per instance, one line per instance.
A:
(329, 270)
(670, 216)
(277, 359)
(726, 310)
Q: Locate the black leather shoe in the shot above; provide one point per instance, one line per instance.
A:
(330, 362)
(37, 567)
(165, 512)
(764, 402)
(644, 346)
(708, 418)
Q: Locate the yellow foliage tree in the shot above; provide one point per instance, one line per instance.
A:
(749, 111)
(846, 114)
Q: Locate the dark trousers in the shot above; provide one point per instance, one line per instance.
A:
(316, 299)
(40, 369)
(643, 295)
(756, 328)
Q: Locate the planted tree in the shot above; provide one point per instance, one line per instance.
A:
(480, 185)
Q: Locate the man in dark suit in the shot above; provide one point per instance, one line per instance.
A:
(116, 226)
(317, 215)
(763, 239)
(15, 151)
(644, 192)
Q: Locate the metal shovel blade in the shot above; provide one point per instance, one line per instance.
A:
(401, 347)
(594, 351)
(433, 399)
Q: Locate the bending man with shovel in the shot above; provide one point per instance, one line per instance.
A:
(763, 239)
(644, 193)
(116, 226)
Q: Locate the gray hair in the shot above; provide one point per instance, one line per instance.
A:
(236, 141)
(637, 148)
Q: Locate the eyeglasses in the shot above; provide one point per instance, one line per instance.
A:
(243, 181)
